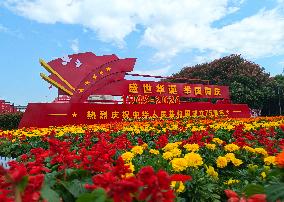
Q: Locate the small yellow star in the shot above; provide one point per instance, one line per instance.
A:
(74, 114)
(101, 72)
(81, 90)
(87, 83)
(94, 77)
(108, 69)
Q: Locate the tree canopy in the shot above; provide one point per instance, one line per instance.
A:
(248, 82)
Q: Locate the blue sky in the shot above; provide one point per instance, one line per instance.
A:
(164, 35)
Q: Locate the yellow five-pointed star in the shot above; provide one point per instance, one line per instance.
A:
(81, 90)
(94, 77)
(74, 114)
(101, 72)
(87, 83)
(108, 69)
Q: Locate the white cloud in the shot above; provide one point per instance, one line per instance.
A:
(3, 28)
(206, 58)
(75, 45)
(154, 72)
(169, 26)
(255, 36)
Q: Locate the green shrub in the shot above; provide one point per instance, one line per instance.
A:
(10, 121)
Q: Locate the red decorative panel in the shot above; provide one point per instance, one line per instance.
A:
(79, 76)
(57, 114)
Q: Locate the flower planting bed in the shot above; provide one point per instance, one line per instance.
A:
(158, 160)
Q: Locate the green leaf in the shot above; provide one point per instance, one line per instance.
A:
(88, 197)
(23, 183)
(48, 194)
(252, 189)
(98, 195)
(179, 199)
(75, 187)
(275, 192)
(50, 178)
(100, 192)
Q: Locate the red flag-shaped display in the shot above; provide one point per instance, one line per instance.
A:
(90, 80)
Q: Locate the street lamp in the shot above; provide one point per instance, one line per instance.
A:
(279, 101)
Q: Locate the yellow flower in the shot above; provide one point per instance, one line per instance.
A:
(217, 140)
(178, 186)
(270, 160)
(179, 164)
(137, 150)
(145, 146)
(191, 147)
(249, 149)
(171, 146)
(131, 167)
(263, 175)
(231, 181)
(127, 156)
(210, 171)
(176, 152)
(168, 155)
(221, 162)
(237, 162)
(230, 156)
(193, 159)
(266, 168)
(210, 146)
(154, 151)
(231, 147)
(261, 151)
(252, 167)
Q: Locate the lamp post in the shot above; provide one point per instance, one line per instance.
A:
(279, 98)
(279, 101)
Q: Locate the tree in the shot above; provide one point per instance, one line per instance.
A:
(275, 104)
(248, 82)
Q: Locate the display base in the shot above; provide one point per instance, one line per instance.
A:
(59, 114)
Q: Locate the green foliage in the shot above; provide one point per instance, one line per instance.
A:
(202, 188)
(23, 183)
(252, 189)
(69, 184)
(248, 81)
(9, 121)
(275, 192)
(48, 194)
(18, 147)
(98, 195)
(276, 98)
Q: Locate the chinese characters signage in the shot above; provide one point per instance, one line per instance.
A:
(146, 99)
(84, 113)
(177, 89)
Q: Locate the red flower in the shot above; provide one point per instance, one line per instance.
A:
(157, 187)
(233, 197)
(162, 141)
(231, 194)
(257, 198)
(24, 157)
(123, 190)
(17, 171)
(282, 127)
(180, 177)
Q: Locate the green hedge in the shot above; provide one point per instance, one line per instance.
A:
(10, 121)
